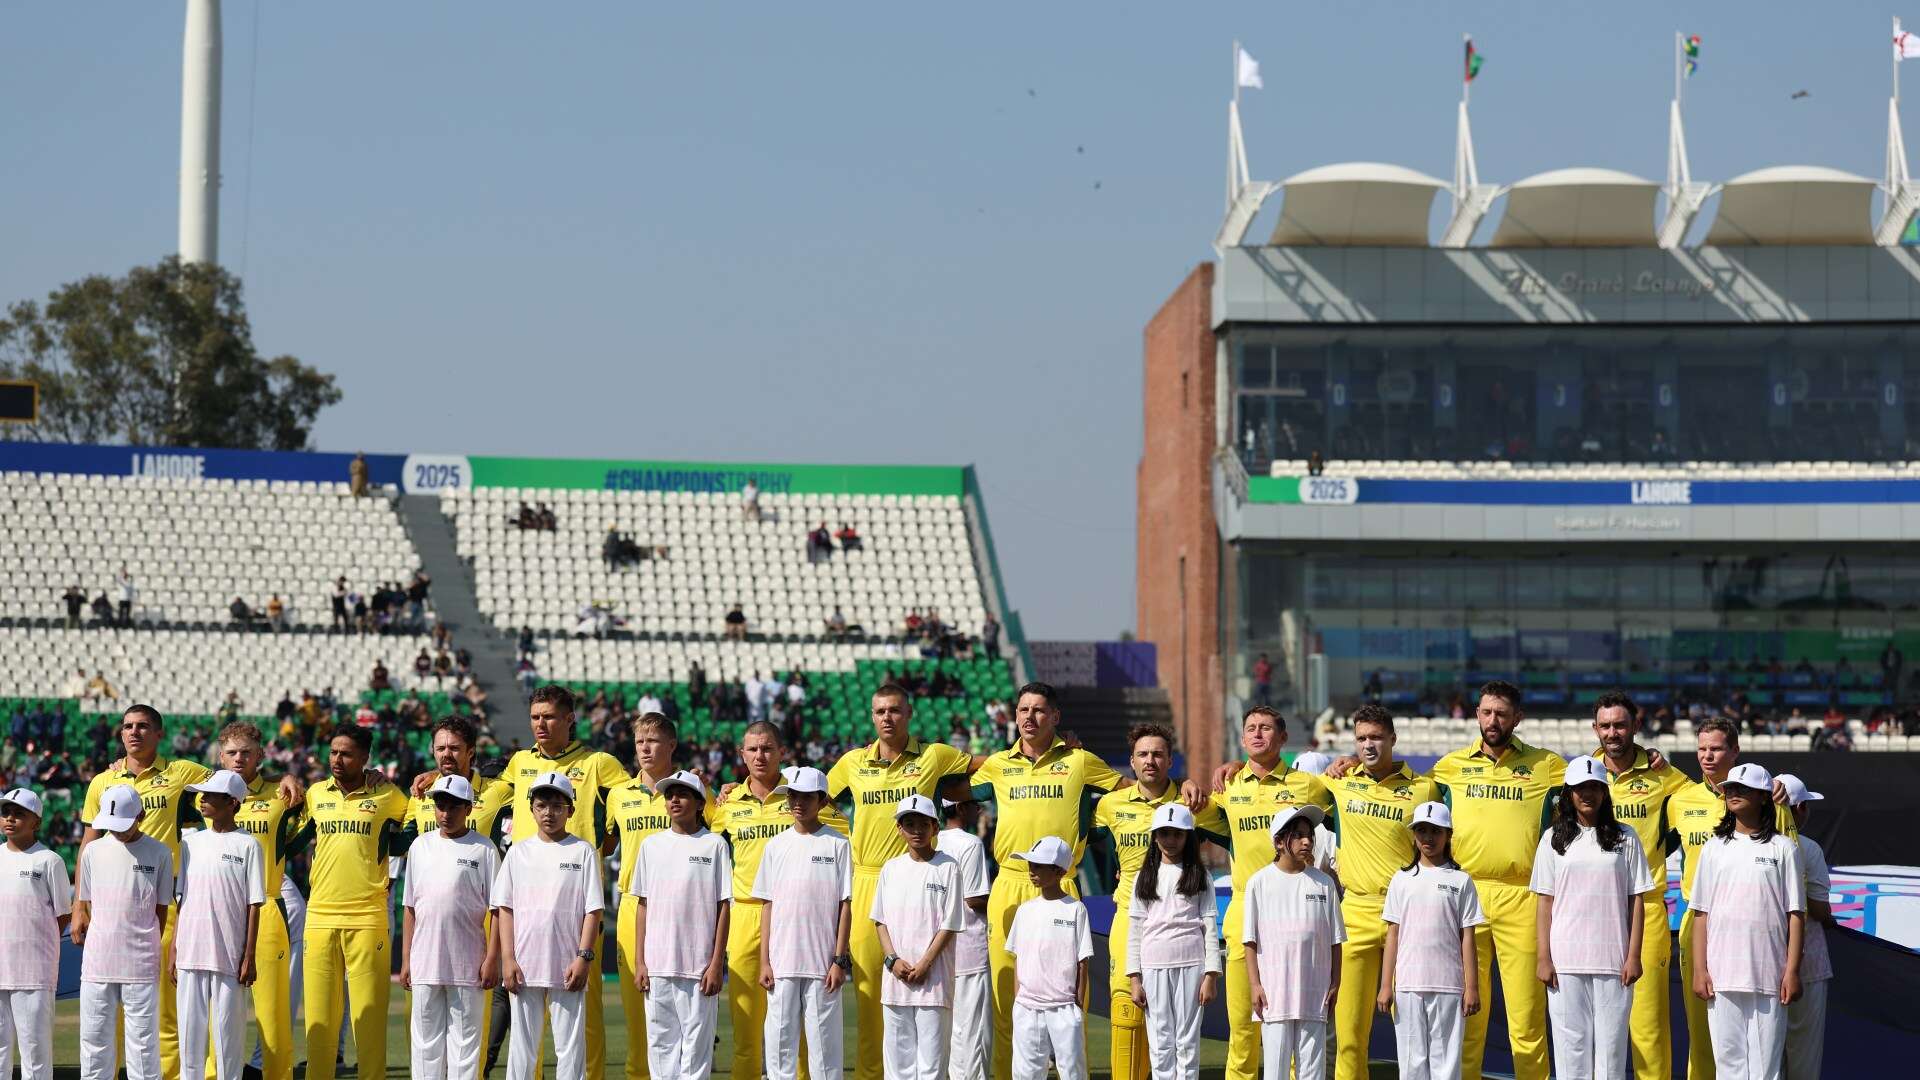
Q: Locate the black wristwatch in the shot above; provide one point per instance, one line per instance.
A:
(887, 962)
(845, 962)
(584, 954)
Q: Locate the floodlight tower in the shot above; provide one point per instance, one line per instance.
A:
(200, 134)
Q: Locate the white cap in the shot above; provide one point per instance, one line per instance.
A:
(24, 799)
(225, 782)
(1287, 814)
(1173, 816)
(552, 781)
(804, 780)
(119, 809)
(1585, 770)
(454, 787)
(1751, 776)
(1797, 792)
(915, 804)
(1048, 851)
(1432, 813)
(1312, 761)
(684, 779)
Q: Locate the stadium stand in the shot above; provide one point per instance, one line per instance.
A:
(1501, 469)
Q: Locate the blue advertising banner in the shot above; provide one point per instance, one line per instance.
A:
(1652, 492)
(191, 463)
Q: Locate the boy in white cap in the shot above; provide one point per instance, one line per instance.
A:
(972, 1054)
(1293, 930)
(122, 887)
(916, 911)
(447, 956)
(1430, 910)
(1051, 942)
(38, 900)
(549, 896)
(683, 879)
(223, 883)
(806, 879)
(1807, 1016)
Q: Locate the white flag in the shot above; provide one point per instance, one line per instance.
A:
(1249, 73)
(1906, 46)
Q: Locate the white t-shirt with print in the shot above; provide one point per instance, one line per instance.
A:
(1595, 899)
(1174, 930)
(551, 887)
(1815, 963)
(1431, 905)
(123, 885)
(1048, 940)
(683, 878)
(970, 948)
(806, 877)
(450, 889)
(221, 876)
(1746, 889)
(34, 893)
(1295, 920)
(915, 900)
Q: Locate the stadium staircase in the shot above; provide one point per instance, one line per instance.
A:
(1100, 717)
(457, 605)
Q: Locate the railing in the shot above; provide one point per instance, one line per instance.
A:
(1232, 471)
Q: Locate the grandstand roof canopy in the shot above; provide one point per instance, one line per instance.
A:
(1794, 204)
(1357, 203)
(1578, 208)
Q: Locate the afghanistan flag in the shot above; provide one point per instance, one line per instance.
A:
(1474, 61)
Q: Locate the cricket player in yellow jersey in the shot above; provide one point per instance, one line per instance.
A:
(162, 785)
(1127, 817)
(594, 774)
(749, 814)
(1694, 810)
(1249, 797)
(353, 821)
(873, 779)
(637, 810)
(1040, 787)
(269, 819)
(1642, 784)
(1371, 819)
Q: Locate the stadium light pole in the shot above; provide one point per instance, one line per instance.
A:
(200, 134)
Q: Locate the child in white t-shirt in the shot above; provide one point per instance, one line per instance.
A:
(972, 1043)
(1173, 946)
(806, 879)
(222, 883)
(448, 957)
(1051, 942)
(1591, 875)
(122, 888)
(1807, 1016)
(917, 912)
(37, 900)
(549, 895)
(683, 879)
(1293, 934)
(1428, 963)
(1749, 905)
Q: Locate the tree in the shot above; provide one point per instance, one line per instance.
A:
(161, 357)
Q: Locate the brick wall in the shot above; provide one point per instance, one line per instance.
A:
(1174, 526)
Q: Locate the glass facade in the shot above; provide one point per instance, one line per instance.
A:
(1576, 393)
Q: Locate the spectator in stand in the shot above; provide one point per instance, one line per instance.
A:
(1797, 723)
(1833, 733)
(1891, 661)
(357, 475)
(836, 623)
(528, 675)
(76, 601)
(123, 582)
(286, 710)
(102, 610)
(525, 519)
(442, 667)
(276, 612)
(756, 703)
(990, 636)
(849, 538)
(545, 520)
(1262, 680)
(357, 607)
(99, 689)
(819, 545)
(308, 710)
(422, 667)
(736, 624)
(230, 708)
(750, 502)
(525, 644)
(649, 703)
(241, 613)
(380, 679)
(696, 682)
(365, 716)
(417, 596)
(914, 623)
(340, 603)
(610, 549)
(76, 684)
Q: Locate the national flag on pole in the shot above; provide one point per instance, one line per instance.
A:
(1248, 72)
(1906, 45)
(1692, 67)
(1693, 45)
(1474, 60)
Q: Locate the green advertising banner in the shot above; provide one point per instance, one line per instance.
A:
(710, 477)
(1273, 489)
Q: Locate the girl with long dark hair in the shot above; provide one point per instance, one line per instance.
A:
(1427, 967)
(1173, 948)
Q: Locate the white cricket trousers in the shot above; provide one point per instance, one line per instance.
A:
(914, 1043)
(1806, 1032)
(1589, 1015)
(446, 1033)
(565, 1011)
(972, 1055)
(100, 1005)
(680, 1022)
(802, 1005)
(1173, 1021)
(211, 1007)
(26, 1022)
(1749, 1035)
(1427, 1026)
(1053, 1032)
(1300, 1045)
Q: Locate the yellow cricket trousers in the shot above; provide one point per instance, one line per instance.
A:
(1360, 958)
(1508, 936)
(864, 942)
(632, 1002)
(170, 1004)
(1243, 1035)
(1129, 1041)
(1699, 1039)
(1011, 888)
(272, 997)
(359, 956)
(1651, 1034)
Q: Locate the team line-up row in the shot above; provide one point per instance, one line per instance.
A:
(769, 892)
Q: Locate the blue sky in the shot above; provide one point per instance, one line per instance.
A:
(827, 232)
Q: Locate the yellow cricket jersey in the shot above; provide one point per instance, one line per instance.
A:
(748, 822)
(163, 794)
(266, 817)
(874, 785)
(1127, 815)
(636, 811)
(1499, 807)
(594, 775)
(491, 794)
(1369, 823)
(1640, 797)
(1249, 803)
(1694, 811)
(353, 833)
(1051, 795)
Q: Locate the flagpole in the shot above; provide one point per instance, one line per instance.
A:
(1678, 48)
(1235, 68)
(1896, 58)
